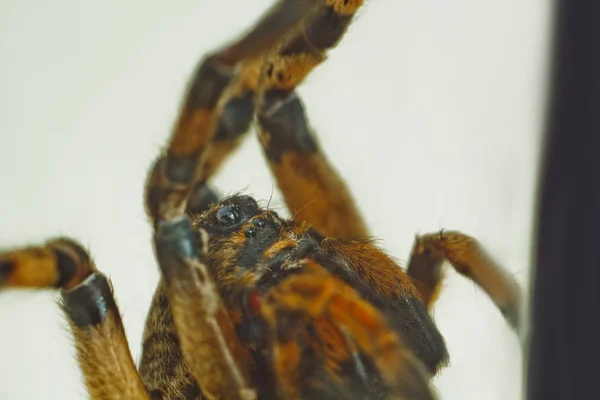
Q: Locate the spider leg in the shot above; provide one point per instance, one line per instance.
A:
(230, 128)
(162, 366)
(379, 280)
(329, 343)
(468, 258)
(194, 150)
(207, 337)
(313, 190)
(87, 301)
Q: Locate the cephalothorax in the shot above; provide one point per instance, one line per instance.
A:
(251, 305)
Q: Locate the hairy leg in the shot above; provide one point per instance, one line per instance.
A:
(469, 258)
(329, 343)
(207, 339)
(162, 366)
(381, 281)
(87, 300)
(313, 190)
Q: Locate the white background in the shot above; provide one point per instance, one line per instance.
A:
(432, 110)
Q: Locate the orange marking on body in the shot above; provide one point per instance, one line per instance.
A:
(307, 293)
(361, 311)
(238, 237)
(287, 359)
(284, 244)
(332, 344)
(376, 268)
(332, 306)
(370, 331)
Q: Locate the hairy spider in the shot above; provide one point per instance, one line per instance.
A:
(252, 305)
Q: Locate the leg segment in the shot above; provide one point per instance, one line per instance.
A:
(162, 366)
(329, 344)
(468, 258)
(207, 337)
(233, 123)
(88, 302)
(191, 152)
(206, 334)
(313, 190)
(379, 280)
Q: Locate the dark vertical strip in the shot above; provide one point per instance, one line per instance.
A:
(565, 332)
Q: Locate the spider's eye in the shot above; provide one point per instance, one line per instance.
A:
(226, 216)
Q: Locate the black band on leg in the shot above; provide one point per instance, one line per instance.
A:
(88, 303)
(327, 28)
(67, 267)
(181, 169)
(284, 120)
(235, 118)
(201, 198)
(6, 268)
(175, 242)
(208, 84)
(324, 32)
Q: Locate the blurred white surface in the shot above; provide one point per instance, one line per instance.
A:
(431, 110)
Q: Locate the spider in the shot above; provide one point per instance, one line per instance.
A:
(251, 304)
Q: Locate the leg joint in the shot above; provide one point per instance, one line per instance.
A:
(285, 126)
(88, 303)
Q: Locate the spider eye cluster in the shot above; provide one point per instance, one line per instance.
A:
(227, 216)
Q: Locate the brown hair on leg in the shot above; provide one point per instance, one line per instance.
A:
(207, 338)
(88, 302)
(331, 343)
(314, 192)
(470, 259)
